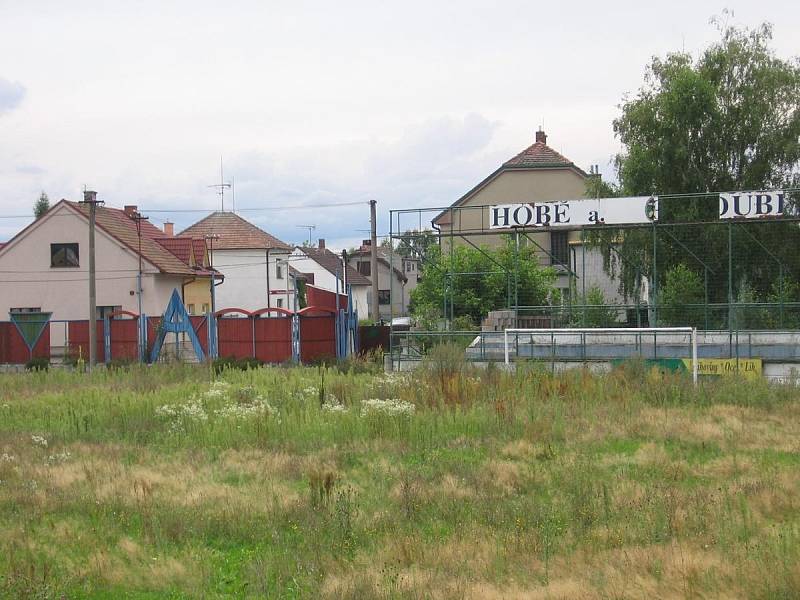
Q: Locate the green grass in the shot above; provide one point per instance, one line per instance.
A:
(496, 485)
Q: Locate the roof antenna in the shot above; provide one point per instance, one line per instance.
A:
(221, 186)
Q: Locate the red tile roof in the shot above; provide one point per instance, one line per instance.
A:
(180, 247)
(333, 264)
(538, 155)
(235, 233)
(121, 227)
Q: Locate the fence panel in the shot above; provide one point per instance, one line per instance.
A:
(78, 334)
(200, 326)
(317, 337)
(124, 339)
(235, 337)
(13, 349)
(274, 339)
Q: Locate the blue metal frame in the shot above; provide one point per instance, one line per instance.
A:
(176, 320)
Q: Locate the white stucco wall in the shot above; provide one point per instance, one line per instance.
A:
(246, 285)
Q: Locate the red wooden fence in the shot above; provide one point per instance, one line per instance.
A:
(13, 348)
(259, 334)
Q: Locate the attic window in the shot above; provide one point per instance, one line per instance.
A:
(64, 255)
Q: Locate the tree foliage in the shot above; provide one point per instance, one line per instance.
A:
(727, 120)
(415, 244)
(479, 280)
(41, 206)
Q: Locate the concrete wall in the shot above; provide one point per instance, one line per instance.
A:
(246, 284)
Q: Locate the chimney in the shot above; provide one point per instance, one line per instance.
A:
(321, 244)
(366, 244)
(169, 228)
(130, 210)
(89, 196)
(541, 136)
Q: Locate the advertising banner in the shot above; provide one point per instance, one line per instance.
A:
(575, 213)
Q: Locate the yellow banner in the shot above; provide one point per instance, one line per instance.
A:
(746, 367)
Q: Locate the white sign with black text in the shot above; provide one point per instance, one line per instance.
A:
(752, 205)
(572, 213)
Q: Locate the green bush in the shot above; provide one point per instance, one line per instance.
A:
(241, 364)
(38, 364)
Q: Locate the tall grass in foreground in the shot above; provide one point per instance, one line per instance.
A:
(448, 482)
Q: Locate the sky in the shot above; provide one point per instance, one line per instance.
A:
(311, 104)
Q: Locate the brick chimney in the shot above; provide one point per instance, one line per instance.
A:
(366, 245)
(130, 210)
(89, 196)
(541, 136)
(321, 244)
(169, 228)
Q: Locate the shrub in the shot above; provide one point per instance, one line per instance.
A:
(39, 363)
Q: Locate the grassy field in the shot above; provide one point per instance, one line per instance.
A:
(450, 483)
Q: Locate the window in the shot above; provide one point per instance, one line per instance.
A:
(278, 270)
(27, 309)
(364, 268)
(205, 307)
(64, 255)
(383, 297)
(280, 303)
(190, 308)
(559, 247)
(410, 267)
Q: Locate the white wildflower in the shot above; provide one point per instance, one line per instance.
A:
(191, 410)
(59, 458)
(257, 407)
(333, 405)
(5, 457)
(39, 440)
(389, 407)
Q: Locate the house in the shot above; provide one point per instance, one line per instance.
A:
(536, 175)
(403, 273)
(324, 269)
(44, 268)
(253, 262)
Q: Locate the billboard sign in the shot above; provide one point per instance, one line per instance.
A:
(752, 205)
(575, 213)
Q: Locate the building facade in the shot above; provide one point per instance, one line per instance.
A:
(325, 270)
(396, 280)
(45, 267)
(252, 261)
(536, 175)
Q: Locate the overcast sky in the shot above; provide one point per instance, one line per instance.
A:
(314, 103)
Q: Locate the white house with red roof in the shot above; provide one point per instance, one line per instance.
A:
(45, 267)
(253, 262)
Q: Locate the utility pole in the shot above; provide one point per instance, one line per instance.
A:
(209, 238)
(373, 260)
(90, 198)
(138, 217)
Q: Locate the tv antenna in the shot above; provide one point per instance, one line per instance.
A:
(222, 186)
(310, 228)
